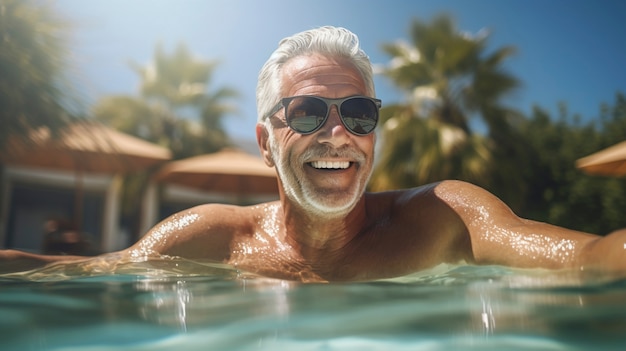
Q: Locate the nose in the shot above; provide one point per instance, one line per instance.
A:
(333, 132)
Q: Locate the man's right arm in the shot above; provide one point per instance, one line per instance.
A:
(203, 232)
(20, 261)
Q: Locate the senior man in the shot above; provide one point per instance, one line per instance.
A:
(317, 114)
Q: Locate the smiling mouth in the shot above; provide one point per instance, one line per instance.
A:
(330, 165)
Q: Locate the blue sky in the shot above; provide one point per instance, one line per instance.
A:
(568, 50)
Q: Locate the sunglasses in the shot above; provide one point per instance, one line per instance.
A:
(306, 114)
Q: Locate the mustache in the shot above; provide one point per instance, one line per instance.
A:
(325, 151)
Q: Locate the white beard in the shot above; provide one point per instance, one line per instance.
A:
(300, 191)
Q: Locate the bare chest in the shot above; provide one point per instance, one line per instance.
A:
(383, 251)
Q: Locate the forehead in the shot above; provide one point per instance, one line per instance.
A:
(321, 75)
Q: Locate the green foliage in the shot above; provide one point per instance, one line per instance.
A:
(529, 162)
(418, 151)
(449, 78)
(175, 109)
(561, 194)
(33, 62)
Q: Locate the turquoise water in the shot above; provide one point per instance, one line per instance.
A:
(186, 306)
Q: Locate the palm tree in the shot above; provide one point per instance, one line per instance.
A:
(33, 62)
(449, 80)
(175, 107)
(417, 151)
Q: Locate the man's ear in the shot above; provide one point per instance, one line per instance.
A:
(262, 138)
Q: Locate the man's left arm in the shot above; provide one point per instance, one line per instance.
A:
(498, 236)
(605, 253)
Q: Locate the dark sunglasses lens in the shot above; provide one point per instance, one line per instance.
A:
(305, 114)
(359, 115)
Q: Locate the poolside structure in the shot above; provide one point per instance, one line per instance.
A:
(230, 171)
(227, 176)
(607, 162)
(79, 175)
(76, 175)
(86, 147)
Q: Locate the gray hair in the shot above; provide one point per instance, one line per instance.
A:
(330, 41)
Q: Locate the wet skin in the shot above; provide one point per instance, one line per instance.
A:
(326, 228)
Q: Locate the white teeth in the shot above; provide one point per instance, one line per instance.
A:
(330, 165)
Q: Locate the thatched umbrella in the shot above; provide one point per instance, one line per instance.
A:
(228, 171)
(607, 162)
(84, 147)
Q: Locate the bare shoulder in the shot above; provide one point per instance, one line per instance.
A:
(424, 228)
(470, 200)
(201, 232)
(451, 193)
(444, 199)
(478, 208)
(459, 191)
(414, 203)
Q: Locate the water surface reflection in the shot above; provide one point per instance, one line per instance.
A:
(450, 307)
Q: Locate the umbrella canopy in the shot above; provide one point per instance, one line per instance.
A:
(608, 162)
(227, 171)
(85, 147)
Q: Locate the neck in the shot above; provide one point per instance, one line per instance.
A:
(315, 236)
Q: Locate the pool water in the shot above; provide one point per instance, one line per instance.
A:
(181, 305)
